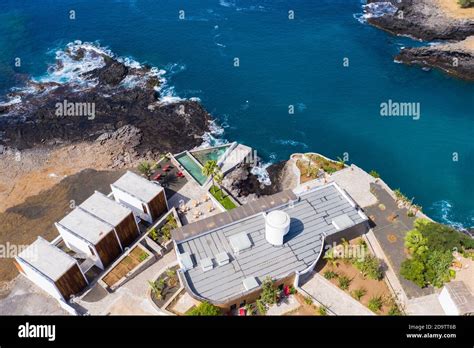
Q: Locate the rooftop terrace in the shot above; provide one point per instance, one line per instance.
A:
(311, 219)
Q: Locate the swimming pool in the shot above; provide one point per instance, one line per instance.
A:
(213, 154)
(192, 168)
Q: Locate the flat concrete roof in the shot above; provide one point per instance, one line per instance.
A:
(138, 186)
(86, 225)
(236, 214)
(461, 296)
(311, 219)
(48, 259)
(105, 208)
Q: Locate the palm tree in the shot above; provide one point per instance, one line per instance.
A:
(330, 257)
(218, 177)
(210, 169)
(145, 168)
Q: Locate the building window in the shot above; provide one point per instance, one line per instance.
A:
(145, 210)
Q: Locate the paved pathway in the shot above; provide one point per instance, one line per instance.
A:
(288, 304)
(426, 305)
(334, 298)
(26, 298)
(132, 297)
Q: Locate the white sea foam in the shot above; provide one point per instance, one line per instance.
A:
(214, 136)
(15, 100)
(443, 210)
(375, 10)
(227, 3)
(290, 142)
(260, 171)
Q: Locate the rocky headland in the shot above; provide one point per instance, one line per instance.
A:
(91, 110)
(429, 20)
(456, 59)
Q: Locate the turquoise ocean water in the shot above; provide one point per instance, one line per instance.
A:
(282, 62)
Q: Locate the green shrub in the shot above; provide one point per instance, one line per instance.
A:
(370, 266)
(359, 293)
(431, 246)
(394, 310)
(466, 3)
(374, 174)
(375, 303)
(204, 309)
(154, 234)
(322, 310)
(414, 270)
(261, 307)
(269, 293)
(344, 282)
(308, 300)
(330, 274)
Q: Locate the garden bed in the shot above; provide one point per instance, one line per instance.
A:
(162, 234)
(310, 169)
(372, 293)
(307, 307)
(222, 197)
(163, 288)
(126, 265)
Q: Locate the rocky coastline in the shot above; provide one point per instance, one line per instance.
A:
(120, 94)
(129, 121)
(430, 21)
(455, 59)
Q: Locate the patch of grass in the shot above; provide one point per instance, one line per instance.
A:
(143, 255)
(222, 198)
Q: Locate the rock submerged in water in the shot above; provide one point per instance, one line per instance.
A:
(426, 20)
(457, 59)
(121, 95)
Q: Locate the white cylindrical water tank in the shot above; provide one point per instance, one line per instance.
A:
(277, 225)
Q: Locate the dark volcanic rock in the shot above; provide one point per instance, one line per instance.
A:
(422, 19)
(457, 63)
(242, 183)
(111, 74)
(163, 127)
